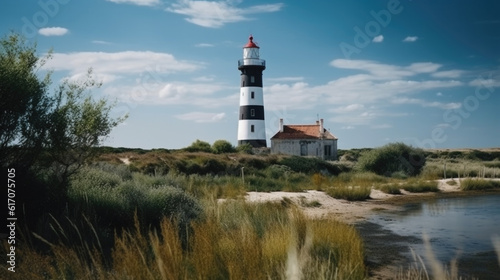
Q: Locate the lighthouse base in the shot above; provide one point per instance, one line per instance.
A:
(255, 143)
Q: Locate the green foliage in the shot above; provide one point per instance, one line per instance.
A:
(393, 158)
(112, 200)
(309, 165)
(351, 193)
(390, 188)
(24, 102)
(79, 123)
(245, 148)
(199, 146)
(222, 147)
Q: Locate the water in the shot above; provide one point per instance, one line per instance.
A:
(457, 227)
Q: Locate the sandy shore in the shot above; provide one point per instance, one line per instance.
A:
(349, 211)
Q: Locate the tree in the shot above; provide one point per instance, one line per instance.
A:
(199, 146)
(78, 124)
(25, 104)
(222, 146)
(45, 137)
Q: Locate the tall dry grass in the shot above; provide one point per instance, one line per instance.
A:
(233, 240)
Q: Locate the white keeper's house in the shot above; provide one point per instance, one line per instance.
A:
(305, 140)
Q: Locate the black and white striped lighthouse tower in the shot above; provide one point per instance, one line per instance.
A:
(251, 126)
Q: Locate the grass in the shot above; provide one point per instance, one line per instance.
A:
(351, 193)
(419, 186)
(474, 184)
(234, 240)
(460, 168)
(414, 185)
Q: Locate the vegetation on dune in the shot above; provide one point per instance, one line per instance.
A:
(393, 159)
(474, 184)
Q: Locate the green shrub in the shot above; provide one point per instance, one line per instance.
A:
(245, 149)
(199, 146)
(393, 158)
(263, 184)
(222, 147)
(277, 171)
(390, 188)
(110, 201)
(351, 193)
(309, 165)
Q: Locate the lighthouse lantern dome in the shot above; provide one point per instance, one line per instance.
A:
(251, 50)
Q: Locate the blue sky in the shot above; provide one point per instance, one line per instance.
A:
(426, 73)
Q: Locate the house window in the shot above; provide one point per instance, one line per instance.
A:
(253, 95)
(328, 150)
(252, 112)
(252, 128)
(252, 79)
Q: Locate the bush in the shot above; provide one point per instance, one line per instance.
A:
(199, 146)
(110, 201)
(351, 193)
(222, 147)
(245, 149)
(393, 158)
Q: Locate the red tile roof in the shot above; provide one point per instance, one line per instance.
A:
(305, 131)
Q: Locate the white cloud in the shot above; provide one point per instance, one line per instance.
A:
(215, 14)
(423, 103)
(488, 83)
(53, 31)
(410, 39)
(384, 71)
(358, 99)
(137, 2)
(349, 108)
(145, 64)
(173, 93)
(285, 79)
(210, 78)
(204, 45)
(453, 74)
(378, 39)
(100, 42)
(201, 117)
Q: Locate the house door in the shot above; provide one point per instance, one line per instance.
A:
(303, 149)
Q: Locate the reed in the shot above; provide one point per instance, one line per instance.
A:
(233, 240)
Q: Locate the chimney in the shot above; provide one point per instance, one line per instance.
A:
(321, 126)
(281, 125)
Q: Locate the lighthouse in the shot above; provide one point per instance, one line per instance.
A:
(251, 126)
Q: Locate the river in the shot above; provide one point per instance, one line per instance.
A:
(458, 228)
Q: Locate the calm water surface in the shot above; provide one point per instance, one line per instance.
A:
(460, 227)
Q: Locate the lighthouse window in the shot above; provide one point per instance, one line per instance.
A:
(252, 112)
(252, 128)
(252, 79)
(253, 95)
